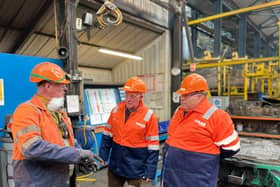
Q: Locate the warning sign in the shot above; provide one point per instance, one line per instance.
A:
(192, 67)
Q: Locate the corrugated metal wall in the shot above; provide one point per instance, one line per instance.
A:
(156, 60)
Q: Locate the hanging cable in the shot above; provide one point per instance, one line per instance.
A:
(109, 14)
(86, 136)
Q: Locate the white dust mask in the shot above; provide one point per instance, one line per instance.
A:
(56, 103)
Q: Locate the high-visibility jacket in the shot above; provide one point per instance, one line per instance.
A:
(193, 146)
(134, 143)
(41, 157)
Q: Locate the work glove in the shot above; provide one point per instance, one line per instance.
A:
(87, 162)
(87, 166)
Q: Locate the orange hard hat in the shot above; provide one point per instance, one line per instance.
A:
(134, 84)
(49, 72)
(192, 83)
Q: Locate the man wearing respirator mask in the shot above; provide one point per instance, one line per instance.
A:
(44, 144)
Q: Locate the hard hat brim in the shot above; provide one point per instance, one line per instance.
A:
(182, 92)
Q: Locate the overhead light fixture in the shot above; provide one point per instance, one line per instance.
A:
(118, 53)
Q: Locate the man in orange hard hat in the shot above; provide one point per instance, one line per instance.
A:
(198, 135)
(132, 136)
(44, 144)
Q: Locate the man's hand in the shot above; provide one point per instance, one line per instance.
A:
(86, 166)
(87, 155)
(88, 161)
(100, 160)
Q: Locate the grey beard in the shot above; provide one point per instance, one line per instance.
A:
(55, 104)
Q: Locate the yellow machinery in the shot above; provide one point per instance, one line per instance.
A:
(252, 75)
(261, 71)
(265, 74)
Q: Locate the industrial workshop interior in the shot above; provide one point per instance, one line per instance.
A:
(102, 49)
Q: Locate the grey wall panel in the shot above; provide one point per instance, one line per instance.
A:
(96, 75)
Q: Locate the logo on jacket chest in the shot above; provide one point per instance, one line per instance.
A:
(200, 123)
(140, 125)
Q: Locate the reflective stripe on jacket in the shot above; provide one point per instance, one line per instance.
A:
(40, 157)
(134, 143)
(195, 140)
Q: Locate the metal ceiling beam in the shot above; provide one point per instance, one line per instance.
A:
(234, 12)
(2, 36)
(268, 27)
(210, 32)
(275, 14)
(79, 42)
(24, 36)
(230, 4)
(256, 1)
(265, 21)
(9, 27)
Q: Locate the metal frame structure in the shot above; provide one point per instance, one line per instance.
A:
(234, 12)
(219, 62)
(258, 64)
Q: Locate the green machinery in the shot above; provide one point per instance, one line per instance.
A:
(249, 173)
(253, 166)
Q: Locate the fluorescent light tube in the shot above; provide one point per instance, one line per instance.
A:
(121, 54)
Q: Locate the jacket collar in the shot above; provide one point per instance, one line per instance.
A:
(38, 101)
(203, 106)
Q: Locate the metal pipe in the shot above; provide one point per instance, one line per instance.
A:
(231, 62)
(234, 12)
(262, 86)
(278, 80)
(246, 82)
(219, 79)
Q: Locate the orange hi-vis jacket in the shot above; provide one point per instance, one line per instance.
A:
(41, 156)
(134, 143)
(196, 139)
(203, 132)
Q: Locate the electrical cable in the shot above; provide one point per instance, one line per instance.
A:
(87, 139)
(109, 14)
(85, 178)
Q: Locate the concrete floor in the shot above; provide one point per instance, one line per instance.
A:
(102, 181)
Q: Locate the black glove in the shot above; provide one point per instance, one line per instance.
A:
(87, 165)
(87, 162)
(87, 154)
